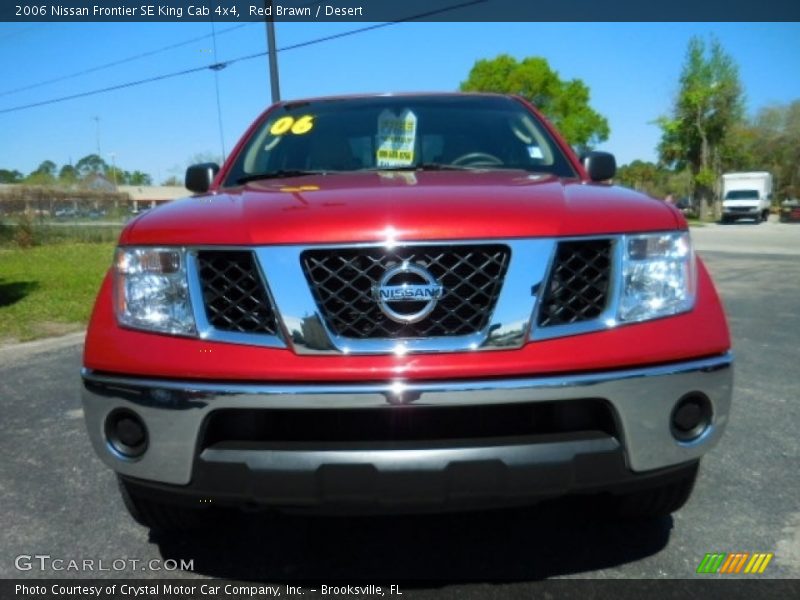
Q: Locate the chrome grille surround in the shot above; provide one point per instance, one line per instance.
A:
(513, 321)
(207, 320)
(343, 281)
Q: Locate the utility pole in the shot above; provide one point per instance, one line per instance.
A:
(114, 176)
(114, 168)
(217, 68)
(97, 121)
(273, 57)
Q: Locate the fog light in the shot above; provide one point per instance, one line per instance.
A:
(691, 417)
(126, 433)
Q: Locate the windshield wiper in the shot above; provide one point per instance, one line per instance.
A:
(431, 166)
(278, 174)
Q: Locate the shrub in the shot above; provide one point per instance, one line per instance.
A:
(25, 232)
(5, 231)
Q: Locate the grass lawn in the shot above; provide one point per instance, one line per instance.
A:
(49, 290)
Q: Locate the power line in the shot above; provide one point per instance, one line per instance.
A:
(120, 61)
(124, 60)
(106, 89)
(416, 17)
(19, 31)
(217, 66)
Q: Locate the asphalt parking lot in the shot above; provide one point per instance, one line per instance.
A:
(58, 499)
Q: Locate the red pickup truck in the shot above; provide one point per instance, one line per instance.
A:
(405, 302)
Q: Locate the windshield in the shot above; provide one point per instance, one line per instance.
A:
(742, 195)
(398, 133)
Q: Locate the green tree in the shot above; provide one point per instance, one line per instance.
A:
(564, 102)
(645, 177)
(9, 176)
(91, 163)
(775, 146)
(738, 152)
(708, 106)
(45, 174)
(140, 178)
(116, 175)
(68, 175)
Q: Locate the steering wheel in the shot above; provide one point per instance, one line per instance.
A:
(477, 158)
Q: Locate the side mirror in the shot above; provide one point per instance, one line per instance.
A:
(600, 166)
(199, 177)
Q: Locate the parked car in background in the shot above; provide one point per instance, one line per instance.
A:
(790, 211)
(686, 206)
(65, 213)
(405, 302)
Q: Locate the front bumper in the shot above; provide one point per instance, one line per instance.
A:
(176, 412)
(741, 211)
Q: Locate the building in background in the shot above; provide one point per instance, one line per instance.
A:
(143, 197)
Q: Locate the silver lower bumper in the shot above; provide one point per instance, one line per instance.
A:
(174, 413)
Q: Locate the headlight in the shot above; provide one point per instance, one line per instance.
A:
(151, 290)
(658, 276)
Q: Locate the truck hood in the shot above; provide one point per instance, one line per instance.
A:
(376, 206)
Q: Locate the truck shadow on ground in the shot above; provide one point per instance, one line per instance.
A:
(550, 539)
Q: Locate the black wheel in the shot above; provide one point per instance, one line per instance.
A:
(658, 501)
(158, 516)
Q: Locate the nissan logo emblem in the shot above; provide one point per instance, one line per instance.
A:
(407, 286)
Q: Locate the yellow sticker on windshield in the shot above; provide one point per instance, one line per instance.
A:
(298, 126)
(402, 156)
(281, 126)
(303, 125)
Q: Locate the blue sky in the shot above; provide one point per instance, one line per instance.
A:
(632, 70)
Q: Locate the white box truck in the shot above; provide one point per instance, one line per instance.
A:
(746, 196)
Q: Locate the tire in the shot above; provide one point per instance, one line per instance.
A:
(158, 516)
(658, 501)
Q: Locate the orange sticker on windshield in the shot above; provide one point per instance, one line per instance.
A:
(300, 188)
(298, 126)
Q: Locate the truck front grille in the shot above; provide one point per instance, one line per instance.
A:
(578, 286)
(234, 295)
(342, 281)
